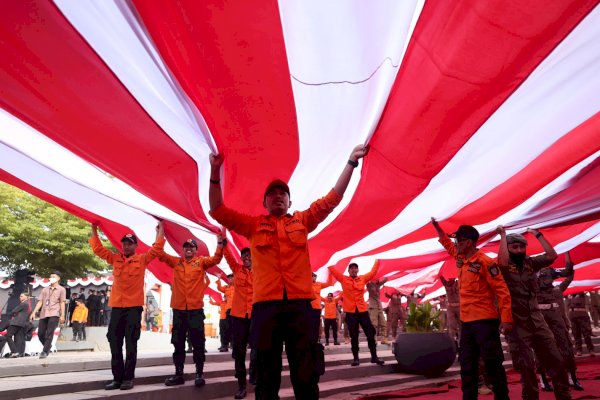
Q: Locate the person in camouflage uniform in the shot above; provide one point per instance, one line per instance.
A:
(453, 311)
(595, 307)
(376, 310)
(531, 330)
(580, 323)
(548, 298)
(396, 314)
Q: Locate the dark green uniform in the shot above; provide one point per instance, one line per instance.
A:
(549, 297)
(531, 330)
(580, 322)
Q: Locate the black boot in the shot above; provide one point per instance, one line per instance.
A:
(546, 386)
(576, 385)
(374, 358)
(199, 381)
(241, 393)
(356, 361)
(176, 379)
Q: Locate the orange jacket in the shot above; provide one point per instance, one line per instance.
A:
(480, 282)
(227, 290)
(80, 314)
(222, 308)
(354, 289)
(330, 310)
(188, 279)
(279, 247)
(128, 273)
(317, 287)
(243, 287)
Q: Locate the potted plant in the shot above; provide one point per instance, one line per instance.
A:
(423, 349)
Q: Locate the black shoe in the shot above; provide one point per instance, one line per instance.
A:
(355, 362)
(327, 343)
(174, 380)
(240, 394)
(223, 349)
(113, 385)
(546, 387)
(377, 360)
(14, 355)
(199, 381)
(336, 343)
(126, 385)
(577, 386)
(43, 354)
(189, 351)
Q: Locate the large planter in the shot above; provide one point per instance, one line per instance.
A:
(428, 354)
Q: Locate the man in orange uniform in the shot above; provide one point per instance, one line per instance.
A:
(480, 283)
(316, 303)
(222, 318)
(126, 302)
(227, 290)
(356, 309)
(330, 314)
(187, 302)
(241, 312)
(282, 278)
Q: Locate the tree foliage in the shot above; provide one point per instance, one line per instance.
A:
(41, 237)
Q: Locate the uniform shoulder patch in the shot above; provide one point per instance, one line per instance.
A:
(494, 270)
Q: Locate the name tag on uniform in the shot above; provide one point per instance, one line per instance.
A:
(474, 267)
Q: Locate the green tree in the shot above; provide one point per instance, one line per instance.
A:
(41, 237)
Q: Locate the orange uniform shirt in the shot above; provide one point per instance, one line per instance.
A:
(279, 247)
(330, 310)
(222, 308)
(243, 281)
(188, 279)
(479, 282)
(128, 273)
(228, 291)
(317, 287)
(354, 289)
(80, 314)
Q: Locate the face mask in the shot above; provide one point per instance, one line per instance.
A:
(517, 258)
(53, 280)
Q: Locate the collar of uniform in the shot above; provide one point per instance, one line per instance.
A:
(474, 257)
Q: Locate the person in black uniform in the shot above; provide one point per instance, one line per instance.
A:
(15, 334)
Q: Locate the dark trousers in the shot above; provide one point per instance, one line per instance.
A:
(289, 321)
(540, 340)
(78, 330)
(354, 320)
(15, 337)
(240, 334)
(331, 323)
(124, 325)
(315, 322)
(223, 332)
(188, 322)
(228, 333)
(482, 339)
(582, 328)
(95, 317)
(46, 329)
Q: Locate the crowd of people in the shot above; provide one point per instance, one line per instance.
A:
(272, 298)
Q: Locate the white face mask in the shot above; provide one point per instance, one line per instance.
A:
(53, 280)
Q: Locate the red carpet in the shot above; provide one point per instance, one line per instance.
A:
(588, 372)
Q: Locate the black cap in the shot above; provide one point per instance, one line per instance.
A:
(465, 232)
(130, 237)
(190, 242)
(277, 183)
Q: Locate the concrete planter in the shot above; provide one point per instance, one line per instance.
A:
(429, 353)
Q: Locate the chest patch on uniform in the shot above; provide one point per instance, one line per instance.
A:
(474, 267)
(494, 271)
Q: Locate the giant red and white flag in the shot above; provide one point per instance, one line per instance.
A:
(476, 112)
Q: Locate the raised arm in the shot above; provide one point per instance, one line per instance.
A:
(336, 274)
(568, 273)
(218, 256)
(549, 255)
(342, 183)
(503, 256)
(215, 194)
(98, 248)
(382, 281)
(157, 247)
(369, 275)
(443, 238)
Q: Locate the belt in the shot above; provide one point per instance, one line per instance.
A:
(443, 309)
(548, 306)
(579, 309)
(454, 304)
